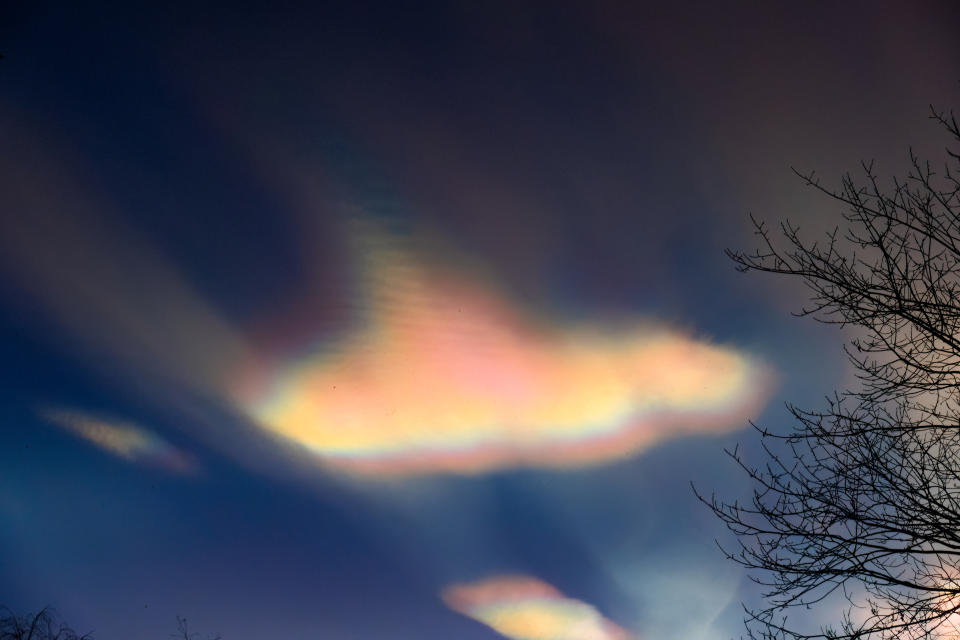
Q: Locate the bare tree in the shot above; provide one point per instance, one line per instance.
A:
(43, 625)
(184, 633)
(861, 499)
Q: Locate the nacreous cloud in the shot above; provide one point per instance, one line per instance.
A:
(449, 376)
(125, 440)
(525, 608)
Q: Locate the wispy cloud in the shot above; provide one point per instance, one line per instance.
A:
(105, 286)
(525, 608)
(123, 439)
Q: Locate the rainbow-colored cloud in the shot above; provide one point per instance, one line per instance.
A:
(449, 376)
(125, 440)
(524, 608)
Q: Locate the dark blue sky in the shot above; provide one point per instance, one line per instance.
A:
(180, 189)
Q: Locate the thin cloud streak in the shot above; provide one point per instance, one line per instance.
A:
(69, 250)
(123, 439)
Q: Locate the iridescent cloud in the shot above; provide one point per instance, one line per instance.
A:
(447, 375)
(525, 608)
(123, 439)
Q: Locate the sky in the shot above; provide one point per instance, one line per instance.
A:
(371, 321)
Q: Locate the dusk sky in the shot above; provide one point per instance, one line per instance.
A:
(388, 321)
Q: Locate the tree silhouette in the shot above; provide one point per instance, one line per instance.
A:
(184, 633)
(861, 499)
(43, 625)
(46, 625)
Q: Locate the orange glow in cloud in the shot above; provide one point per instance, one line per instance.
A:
(125, 440)
(525, 608)
(448, 376)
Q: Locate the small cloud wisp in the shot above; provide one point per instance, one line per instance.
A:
(124, 440)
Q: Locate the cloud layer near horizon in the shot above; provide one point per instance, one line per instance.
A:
(525, 608)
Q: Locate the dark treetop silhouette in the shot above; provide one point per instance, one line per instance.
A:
(184, 633)
(43, 625)
(46, 625)
(861, 500)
